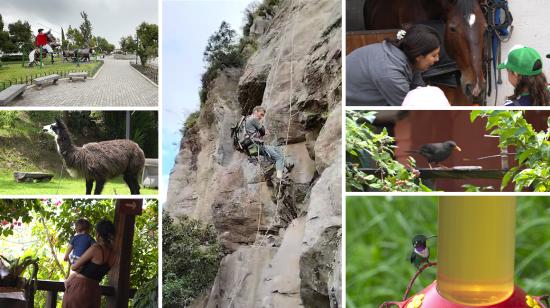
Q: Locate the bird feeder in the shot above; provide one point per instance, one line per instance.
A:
(475, 266)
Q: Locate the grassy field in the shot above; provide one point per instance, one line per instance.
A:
(14, 71)
(379, 233)
(64, 186)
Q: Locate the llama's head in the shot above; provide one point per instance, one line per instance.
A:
(55, 128)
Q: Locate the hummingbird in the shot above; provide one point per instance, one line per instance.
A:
(421, 252)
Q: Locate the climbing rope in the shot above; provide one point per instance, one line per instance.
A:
(290, 96)
(60, 175)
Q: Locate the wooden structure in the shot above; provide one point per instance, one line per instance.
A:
(118, 291)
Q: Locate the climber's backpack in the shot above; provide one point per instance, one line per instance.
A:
(238, 134)
(241, 140)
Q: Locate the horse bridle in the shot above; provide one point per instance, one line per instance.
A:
(490, 9)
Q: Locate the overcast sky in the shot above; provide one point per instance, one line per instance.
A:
(111, 19)
(187, 25)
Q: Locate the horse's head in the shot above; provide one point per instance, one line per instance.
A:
(464, 41)
(52, 41)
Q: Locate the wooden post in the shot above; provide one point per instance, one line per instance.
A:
(51, 299)
(119, 276)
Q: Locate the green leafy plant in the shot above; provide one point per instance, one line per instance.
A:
(191, 255)
(147, 295)
(532, 148)
(11, 271)
(366, 148)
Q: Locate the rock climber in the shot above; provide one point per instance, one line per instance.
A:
(253, 140)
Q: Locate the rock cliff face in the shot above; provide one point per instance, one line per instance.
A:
(283, 243)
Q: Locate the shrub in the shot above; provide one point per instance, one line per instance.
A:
(190, 259)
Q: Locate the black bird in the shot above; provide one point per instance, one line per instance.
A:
(437, 152)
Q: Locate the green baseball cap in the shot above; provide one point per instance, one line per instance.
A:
(522, 60)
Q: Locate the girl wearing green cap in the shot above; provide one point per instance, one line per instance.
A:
(524, 66)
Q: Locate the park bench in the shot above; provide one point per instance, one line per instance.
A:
(83, 75)
(21, 177)
(42, 80)
(12, 92)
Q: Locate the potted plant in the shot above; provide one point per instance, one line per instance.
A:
(11, 272)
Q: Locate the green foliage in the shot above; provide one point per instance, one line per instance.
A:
(532, 148)
(8, 118)
(147, 47)
(75, 38)
(147, 295)
(367, 149)
(20, 35)
(191, 121)
(103, 46)
(145, 252)
(86, 29)
(221, 52)
(191, 256)
(128, 44)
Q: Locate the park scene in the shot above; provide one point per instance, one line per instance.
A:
(78, 152)
(77, 60)
(48, 250)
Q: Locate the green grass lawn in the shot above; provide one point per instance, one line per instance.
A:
(379, 233)
(65, 186)
(14, 71)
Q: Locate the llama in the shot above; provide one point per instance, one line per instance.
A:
(99, 161)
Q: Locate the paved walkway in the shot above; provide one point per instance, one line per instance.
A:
(116, 85)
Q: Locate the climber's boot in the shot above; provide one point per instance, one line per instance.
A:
(280, 174)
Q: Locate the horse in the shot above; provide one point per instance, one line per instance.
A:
(85, 54)
(34, 55)
(464, 34)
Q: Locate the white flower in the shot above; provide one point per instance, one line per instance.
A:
(401, 34)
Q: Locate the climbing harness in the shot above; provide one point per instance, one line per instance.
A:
(499, 29)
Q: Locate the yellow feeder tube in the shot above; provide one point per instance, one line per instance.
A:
(476, 243)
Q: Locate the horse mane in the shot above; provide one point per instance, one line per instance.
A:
(465, 7)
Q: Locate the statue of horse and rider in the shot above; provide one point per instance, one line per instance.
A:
(45, 42)
(48, 43)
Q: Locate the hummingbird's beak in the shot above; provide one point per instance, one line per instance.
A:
(429, 237)
(458, 148)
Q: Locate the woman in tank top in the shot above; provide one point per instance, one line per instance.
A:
(82, 286)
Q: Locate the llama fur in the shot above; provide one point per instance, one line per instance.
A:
(99, 161)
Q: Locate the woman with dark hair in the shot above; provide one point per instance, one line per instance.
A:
(82, 286)
(524, 66)
(382, 74)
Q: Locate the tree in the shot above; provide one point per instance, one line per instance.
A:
(221, 52)
(86, 30)
(21, 35)
(63, 40)
(75, 38)
(191, 255)
(103, 45)
(147, 41)
(127, 44)
(5, 42)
